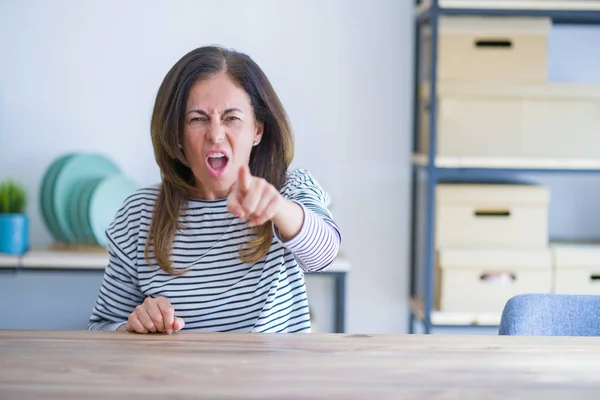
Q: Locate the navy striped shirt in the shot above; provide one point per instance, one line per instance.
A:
(218, 292)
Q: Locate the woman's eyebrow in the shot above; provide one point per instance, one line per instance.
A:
(227, 111)
(197, 111)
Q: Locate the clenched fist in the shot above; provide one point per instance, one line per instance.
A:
(253, 198)
(154, 315)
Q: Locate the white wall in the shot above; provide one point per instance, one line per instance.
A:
(82, 75)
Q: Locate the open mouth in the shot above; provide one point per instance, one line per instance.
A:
(217, 163)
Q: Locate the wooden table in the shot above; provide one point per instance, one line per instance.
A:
(107, 365)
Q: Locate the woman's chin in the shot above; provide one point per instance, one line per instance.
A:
(214, 188)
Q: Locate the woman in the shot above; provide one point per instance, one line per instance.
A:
(223, 242)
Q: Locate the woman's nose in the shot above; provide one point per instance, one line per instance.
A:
(216, 133)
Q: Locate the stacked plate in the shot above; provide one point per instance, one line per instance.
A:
(80, 195)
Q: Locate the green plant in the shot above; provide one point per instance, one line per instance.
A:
(13, 198)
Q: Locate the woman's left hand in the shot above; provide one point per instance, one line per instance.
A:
(254, 199)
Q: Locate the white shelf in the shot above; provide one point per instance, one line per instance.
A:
(465, 319)
(456, 318)
(508, 163)
(64, 259)
(57, 259)
(7, 260)
(538, 5)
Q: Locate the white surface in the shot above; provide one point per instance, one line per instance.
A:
(478, 27)
(510, 91)
(580, 5)
(465, 319)
(63, 259)
(82, 76)
(8, 260)
(508, 162)
(457, 318)
(40, 258)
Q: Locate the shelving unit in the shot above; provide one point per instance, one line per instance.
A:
(428, 170)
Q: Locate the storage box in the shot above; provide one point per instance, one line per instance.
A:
(577, 269)
(483, 280)
(491, 215)
(557, 120)
(490, 49)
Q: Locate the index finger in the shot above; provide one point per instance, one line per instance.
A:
(244, 178)
(167, 311)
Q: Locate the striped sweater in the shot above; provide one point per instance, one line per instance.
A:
(218, 292)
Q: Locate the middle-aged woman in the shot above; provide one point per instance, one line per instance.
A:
(223, 242)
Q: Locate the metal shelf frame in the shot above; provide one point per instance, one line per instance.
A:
(428, 174)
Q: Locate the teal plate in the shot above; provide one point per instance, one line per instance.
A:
(79, 168)
(46, 195)
(73, 204)
(78, 202)
(84, 211)
(106, 200)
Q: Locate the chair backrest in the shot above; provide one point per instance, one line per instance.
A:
(551, 315)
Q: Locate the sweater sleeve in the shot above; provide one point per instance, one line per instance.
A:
(317, 244)
(119, 292)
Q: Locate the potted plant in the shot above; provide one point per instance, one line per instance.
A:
(14, 224)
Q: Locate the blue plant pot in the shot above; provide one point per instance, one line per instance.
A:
(14, 233)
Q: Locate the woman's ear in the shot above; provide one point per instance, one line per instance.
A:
(260, 126)
(182, 159)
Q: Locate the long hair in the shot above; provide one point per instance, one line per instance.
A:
(270, 160)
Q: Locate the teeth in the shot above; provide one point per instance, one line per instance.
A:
(216, 155)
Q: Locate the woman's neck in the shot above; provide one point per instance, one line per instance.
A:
(210, 195)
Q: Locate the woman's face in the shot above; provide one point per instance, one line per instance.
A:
(219, 131)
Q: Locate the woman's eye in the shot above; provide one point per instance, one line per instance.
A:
(232, 118)
(198, 119)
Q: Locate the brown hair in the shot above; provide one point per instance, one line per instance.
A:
(270, 160)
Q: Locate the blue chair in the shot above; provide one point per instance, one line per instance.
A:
(551, 315)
